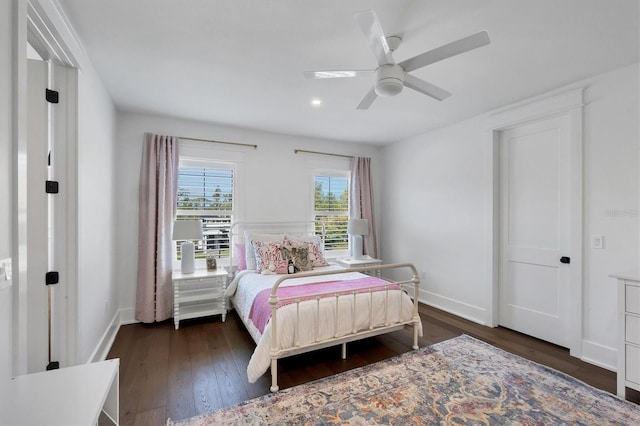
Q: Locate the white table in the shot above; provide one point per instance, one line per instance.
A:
(199, 294)
(361, 263)
(68, 396)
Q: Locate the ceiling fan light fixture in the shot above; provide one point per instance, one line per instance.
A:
(390, 80)
(388, 87)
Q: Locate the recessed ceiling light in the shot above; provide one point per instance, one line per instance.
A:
(316, 102)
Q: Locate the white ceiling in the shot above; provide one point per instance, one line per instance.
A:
(241, 62)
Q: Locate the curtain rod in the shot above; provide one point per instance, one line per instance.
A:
(211, 140)
(322, 153)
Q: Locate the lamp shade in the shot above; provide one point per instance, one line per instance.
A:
(187, 230)
(358, 227)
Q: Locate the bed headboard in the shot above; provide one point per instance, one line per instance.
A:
(297, 228)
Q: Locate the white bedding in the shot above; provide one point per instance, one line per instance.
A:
(248, 284)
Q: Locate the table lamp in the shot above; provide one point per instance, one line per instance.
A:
(357, 228)
(187, 230)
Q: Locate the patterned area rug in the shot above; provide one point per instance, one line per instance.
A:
(462, 381)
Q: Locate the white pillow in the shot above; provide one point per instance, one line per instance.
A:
(250, 253)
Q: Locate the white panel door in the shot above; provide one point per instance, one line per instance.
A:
(535, 229)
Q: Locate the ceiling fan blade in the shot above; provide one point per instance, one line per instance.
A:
(337, 73)
(427, 88)
(370, 26)
(368, 99)
(446, 51)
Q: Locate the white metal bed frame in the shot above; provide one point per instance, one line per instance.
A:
(275, 353)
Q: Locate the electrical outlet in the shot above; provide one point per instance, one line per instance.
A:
(597, 241)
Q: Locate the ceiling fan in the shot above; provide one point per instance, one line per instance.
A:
(391, 77)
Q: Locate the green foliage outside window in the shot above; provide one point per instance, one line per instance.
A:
(331, 205)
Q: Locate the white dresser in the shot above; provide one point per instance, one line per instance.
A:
(199, 294)
(628, 331)
(66, 396)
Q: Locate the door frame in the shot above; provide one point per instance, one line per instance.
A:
(569, 104)
(32, 23)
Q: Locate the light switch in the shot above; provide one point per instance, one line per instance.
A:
(5, 269)
(597, 241)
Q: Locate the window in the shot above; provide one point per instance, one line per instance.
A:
(206, 192)
(331, 207)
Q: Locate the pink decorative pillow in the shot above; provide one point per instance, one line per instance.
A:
(250, 253)
(277, 268)
(241, 256)
(267, 253)
(315, 254)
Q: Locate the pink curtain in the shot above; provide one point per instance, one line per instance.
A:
(361, 201)
(157, 210)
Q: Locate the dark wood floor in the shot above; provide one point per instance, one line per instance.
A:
(202, 366)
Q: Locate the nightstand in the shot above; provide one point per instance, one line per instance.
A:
(361, 263)
(199, 294)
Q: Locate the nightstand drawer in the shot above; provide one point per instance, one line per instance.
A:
(197, 280)
(632, 299)
(632, 354)
(632, 329)
(199, 283)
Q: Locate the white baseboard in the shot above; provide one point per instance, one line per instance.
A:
(104, 344)
(455, 307)
(121, 317)
(592, 352)
(127, 316)
(600, 355)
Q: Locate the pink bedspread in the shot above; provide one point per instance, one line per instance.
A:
(261, 310)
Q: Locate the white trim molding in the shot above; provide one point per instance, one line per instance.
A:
(469, 312)
(569, 104)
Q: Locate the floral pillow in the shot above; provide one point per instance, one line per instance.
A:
(267, 253)
(315, 246)
(276, 268)
(299, 255)
(250, 253)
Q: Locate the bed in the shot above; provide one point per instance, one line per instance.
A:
(320, 305)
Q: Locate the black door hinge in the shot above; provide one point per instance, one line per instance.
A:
(51, 187)
(52, 278)
(52, 96)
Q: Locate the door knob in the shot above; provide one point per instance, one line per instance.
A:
(565, 259)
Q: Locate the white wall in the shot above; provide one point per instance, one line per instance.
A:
(97, 288)
(6, 315)
(611, 163)
(276, 183)
(437, 187)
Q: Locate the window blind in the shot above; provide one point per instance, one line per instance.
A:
(207, 193)
(331, 207)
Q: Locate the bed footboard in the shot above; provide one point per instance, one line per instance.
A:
(391, 297)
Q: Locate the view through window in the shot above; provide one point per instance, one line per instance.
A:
(206, 194)
(331, 207)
